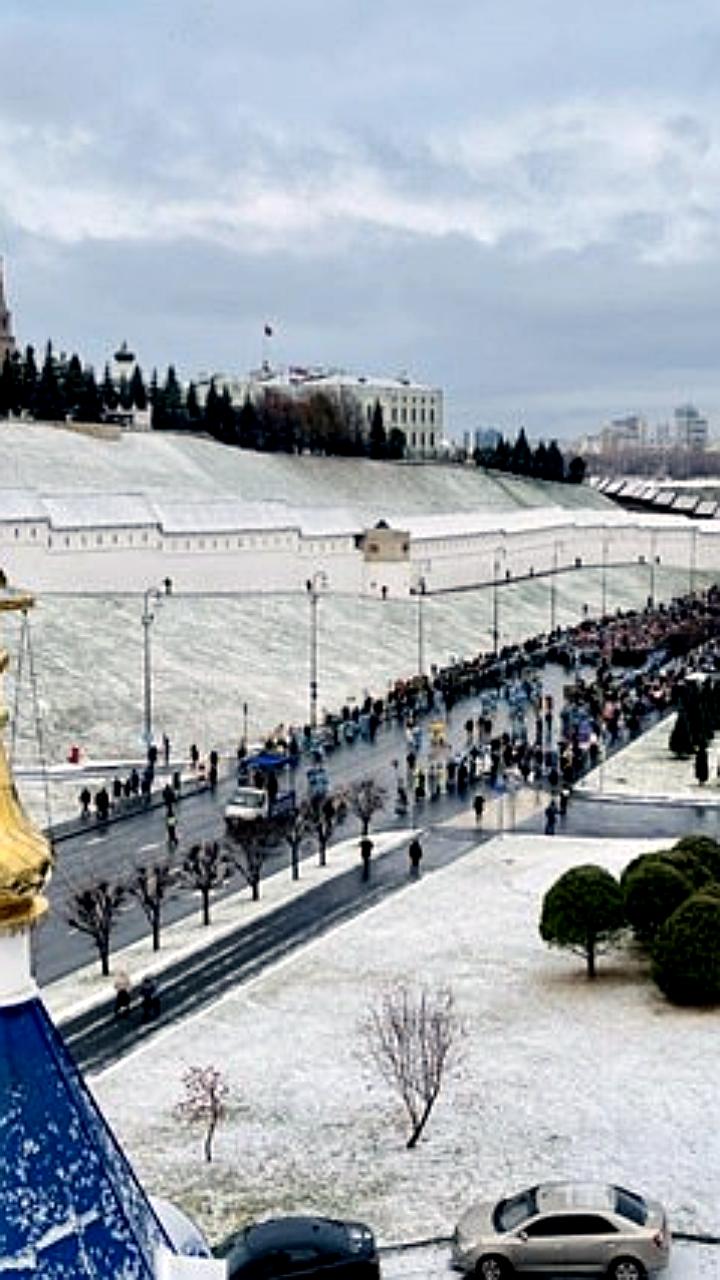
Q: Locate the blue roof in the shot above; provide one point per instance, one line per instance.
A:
(70, 1205)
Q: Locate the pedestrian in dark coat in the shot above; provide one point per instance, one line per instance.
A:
(415, 854)
(478, 807)
(85, 800)
(171, 829)
(366, 848)
(551, 814)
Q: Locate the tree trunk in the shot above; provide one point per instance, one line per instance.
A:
(255, 888)
(156, 932)
(322, 845)
(417, 1131)
(104, 949)
(295, 862)
(209, 1135)
(206, 906)
(591, 958)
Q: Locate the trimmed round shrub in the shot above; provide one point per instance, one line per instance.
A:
(583, 911)
(704, 850)
(653, 891)
(686, 955)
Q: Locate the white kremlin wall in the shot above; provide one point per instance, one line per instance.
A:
(124, 543)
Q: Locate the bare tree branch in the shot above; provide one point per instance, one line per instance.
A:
(412, 1035)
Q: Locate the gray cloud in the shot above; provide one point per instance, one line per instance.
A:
(515, 201)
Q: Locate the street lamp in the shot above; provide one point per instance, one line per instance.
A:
(499, 551)
(553, 587)
(152, 596)
(420, 590)
(313, 586)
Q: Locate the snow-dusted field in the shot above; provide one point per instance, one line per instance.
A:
(558, 1075)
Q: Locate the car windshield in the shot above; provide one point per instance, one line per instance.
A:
(630, 1205)
(249, 799)
(509, 1214)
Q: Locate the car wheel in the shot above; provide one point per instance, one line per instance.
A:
(492, 1267)
(626, 1269)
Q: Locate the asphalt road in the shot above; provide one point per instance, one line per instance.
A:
(626, 819)
(87, 852)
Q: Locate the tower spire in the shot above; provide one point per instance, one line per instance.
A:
(7, 340)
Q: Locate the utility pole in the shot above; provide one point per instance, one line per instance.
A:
(313, 586)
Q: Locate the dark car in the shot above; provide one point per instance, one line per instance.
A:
(307, 1247)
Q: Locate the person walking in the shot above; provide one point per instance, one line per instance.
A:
(366, 848)
(85, 802)
(551, 814)
(123, 987)
(415, 854)
(166, 750)
(478, 808)
(171, 830)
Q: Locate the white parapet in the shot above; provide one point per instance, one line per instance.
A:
(176, 1266)
(16, 982)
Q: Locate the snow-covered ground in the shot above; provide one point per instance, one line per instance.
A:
(648, 769)
(558, 1075)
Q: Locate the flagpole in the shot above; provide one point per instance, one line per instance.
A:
(267, 335)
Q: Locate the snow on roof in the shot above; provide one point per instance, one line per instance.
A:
(83, 511)
(222, 515)
(71, 1204)
(20, 504)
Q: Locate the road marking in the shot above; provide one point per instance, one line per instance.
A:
(145, 848)
(96, 840)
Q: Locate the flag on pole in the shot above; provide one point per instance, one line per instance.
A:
(268, 331)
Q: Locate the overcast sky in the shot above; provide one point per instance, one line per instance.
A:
(518, 200)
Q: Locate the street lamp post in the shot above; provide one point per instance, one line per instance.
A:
(313, 587)
(152, 596)
(553, 588)
(420, 590)
(499, 552)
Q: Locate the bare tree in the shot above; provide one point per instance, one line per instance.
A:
(150, 886)
(294, 829)
(205, 868)
(248, 845)
(364, 799)
(325, 814)
(411, 1035)
(93, 910)
(203, 1102)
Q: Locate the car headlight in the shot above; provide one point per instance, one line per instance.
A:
(359, 1238)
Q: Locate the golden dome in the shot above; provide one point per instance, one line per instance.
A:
(25, 855)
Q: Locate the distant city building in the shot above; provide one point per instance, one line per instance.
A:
(481, 438)
(688, 432)
(691, 428)
(415, 408)
(7, 340)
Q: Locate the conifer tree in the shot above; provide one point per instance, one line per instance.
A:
(49, 406)
(192, 406)
(139, 397)
(555, 462)
(377, 439)
(29, 381)
(89, 407)
(73, 385)
(520, 456)
(108, 393)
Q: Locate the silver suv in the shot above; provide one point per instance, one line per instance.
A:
(558, 1227)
